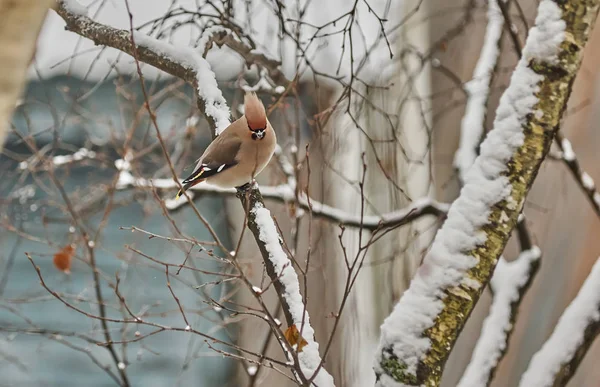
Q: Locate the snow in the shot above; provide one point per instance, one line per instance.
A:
(282, 191)
(79, 155)
(252, 370)
(257, 290)
(74, 7)
(208, 34)
(309, 358)
(587, 181)
(509, 278)
(215, 105)
(568, 334)
(567, 149)
(286, 166)
(478, 90)
(446, 265)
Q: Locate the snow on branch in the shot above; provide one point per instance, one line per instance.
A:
(183, 62)
(509, 283)
(478, 91)
(583, 179)
(556, 362)
(189, 65)
(285, 193)
(416, 339)
(280, 270)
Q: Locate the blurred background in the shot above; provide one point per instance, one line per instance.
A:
(382, 88)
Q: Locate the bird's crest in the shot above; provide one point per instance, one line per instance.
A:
(254, 111)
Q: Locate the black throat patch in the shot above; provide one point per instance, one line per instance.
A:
(258, 134)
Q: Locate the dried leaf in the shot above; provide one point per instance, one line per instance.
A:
(62, 259)
(292, 335)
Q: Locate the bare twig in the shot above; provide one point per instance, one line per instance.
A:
(584, 181)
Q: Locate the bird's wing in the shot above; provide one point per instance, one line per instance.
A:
(220, 155)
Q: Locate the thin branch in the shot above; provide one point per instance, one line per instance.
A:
(509, 283)
(510, 26)
(556, 362)
(182, 62)
(285, 280)
(478, 91)
(585, 182)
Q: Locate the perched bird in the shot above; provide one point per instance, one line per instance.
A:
(240, 152)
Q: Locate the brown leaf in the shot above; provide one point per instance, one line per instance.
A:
(62, 259)
(292, 335)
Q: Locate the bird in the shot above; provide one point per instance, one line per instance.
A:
(239, 153)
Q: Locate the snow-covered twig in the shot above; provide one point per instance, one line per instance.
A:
(285, 193)
(286, 167)
(81, 154)
(183, 62)
(556, 362)
(416, 339)
(263, 85)
(583, 179)
(509, 283)
(478, 91)
(285, 280)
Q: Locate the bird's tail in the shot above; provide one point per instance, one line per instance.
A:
(193, 179)
(186, 186)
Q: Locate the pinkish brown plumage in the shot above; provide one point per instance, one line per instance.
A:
(240, 152)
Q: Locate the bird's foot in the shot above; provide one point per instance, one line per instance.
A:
(244, 187)
(247, 186)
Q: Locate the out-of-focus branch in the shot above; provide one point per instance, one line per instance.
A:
(478, 91)
(585, 182)
(556, 362)
(182, 62)
(503, 5)
(284, 193)
(509, 283)
(21, 23)
(251, 56)
(416, 339)
(285, 280)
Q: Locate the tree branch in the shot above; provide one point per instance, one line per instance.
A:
(416, 339)
(285, 194)
(285, 280)
(478, 91)
(585, 182)
(182, 62)
(509, 284)
(557, 361)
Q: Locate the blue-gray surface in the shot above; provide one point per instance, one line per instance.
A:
(165, 359)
